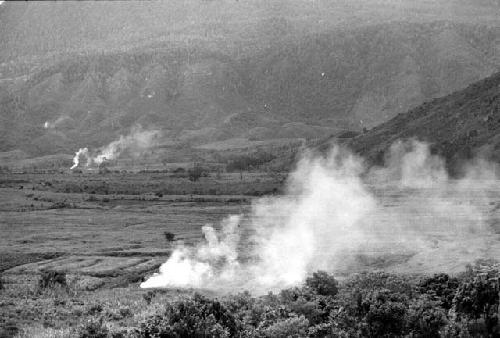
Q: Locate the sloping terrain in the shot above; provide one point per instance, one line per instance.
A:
(208, 71)
(459, 126)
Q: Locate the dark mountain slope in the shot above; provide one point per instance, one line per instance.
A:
(309, 87)
(459, 126)
(362, 77)
(76, 74)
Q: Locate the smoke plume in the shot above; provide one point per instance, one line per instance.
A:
(134, 144)
(408, 216)
(82, 152)
(56, 123)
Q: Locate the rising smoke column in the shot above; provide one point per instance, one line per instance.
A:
(214, 261)
(331, 213)
(82, 152)
(135, 143)
(324, 203)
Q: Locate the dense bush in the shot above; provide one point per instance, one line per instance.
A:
(384, 313)
(51, 278)
(195, 173)
(425, 317)
(380, 280)
(440, 287)
(169, 236)
(365, 305)
(478, 298)
(8, 329)
(194, 317)
(93, 328)
(323, 284)
(289, 327)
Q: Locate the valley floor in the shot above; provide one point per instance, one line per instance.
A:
(105, 244)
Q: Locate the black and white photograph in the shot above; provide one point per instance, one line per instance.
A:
(249, 168)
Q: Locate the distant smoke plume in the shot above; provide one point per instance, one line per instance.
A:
(134, 144)
(57, 122)
(337, 216)
(82, 152)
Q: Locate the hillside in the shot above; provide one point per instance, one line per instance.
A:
(459, 126)
(220, 70)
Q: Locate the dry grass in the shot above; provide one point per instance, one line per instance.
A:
(104, 248)
(105, 251)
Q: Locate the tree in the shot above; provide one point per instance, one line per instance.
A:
(440, 287)
(193, 317)
(479, 298)
(384, 314)
(323, 283)
(195, 173)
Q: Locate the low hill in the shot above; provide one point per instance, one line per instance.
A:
(459, 126)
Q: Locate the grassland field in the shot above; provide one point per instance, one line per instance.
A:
(106, 233)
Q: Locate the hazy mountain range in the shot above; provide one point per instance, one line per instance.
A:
(80, 74)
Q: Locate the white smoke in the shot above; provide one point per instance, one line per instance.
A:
(214, 261)
(335, 214)
(54, 124)
(82, 152)
(134, 144)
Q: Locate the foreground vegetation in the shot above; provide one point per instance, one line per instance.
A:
(364, 305)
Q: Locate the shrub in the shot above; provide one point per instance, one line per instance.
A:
(93, 328)
(304, 301)
(94, 309)
(51, 278)
(457, 329)
(380, 280)
(479, 298)
(440, 287)
(384, 314)
(148, 296)
(92, 198)
(8, 329)
(197, 316)
(169, 236)
(290, 327)
(323, 283)
(194, 174)
(426, 317)
(60, 205)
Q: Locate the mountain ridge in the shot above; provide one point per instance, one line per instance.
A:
(281, 74)
(460, 127)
